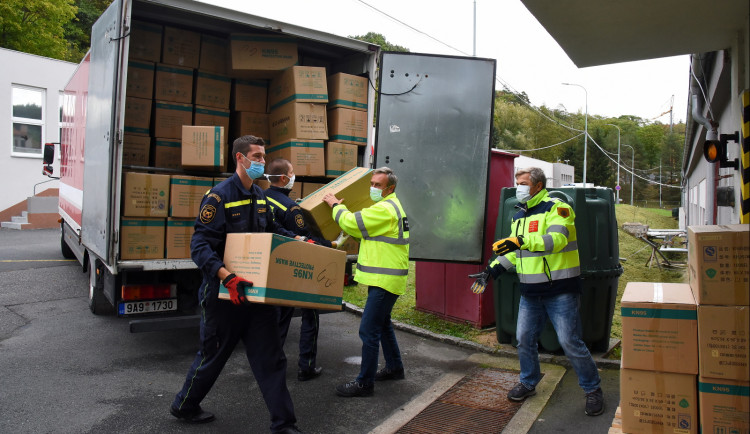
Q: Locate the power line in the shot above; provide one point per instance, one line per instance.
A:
(539, 149)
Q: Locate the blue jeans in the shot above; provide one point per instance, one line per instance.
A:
(375, 330)
(562, 310)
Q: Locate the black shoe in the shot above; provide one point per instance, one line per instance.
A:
(193, 416)
(387, 374)
(289, 430)
(521, 392)
(354, 388)
(310, 374)
(595, 402)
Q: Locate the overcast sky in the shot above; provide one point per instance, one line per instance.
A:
(528, 59)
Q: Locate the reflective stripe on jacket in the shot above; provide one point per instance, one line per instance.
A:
(548, 261)
(384, 247)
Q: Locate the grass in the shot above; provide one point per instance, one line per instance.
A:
(633, 253)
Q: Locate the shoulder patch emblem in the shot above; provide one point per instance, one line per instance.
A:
(563, 212)
(208, 212)
(215, 196)
(299, 220)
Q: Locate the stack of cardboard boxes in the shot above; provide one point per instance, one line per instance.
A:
(685, 347)
(188, 95)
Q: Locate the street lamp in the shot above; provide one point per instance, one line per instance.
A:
(618, 162)
(632, 172)
(585, 130)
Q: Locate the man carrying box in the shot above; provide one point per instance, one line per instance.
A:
(383, 264)
(280, 174)
(235, 205)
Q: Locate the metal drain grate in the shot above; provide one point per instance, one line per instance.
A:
(477, 404)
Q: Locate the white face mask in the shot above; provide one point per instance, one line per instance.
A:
(290, 184)
(522, 193)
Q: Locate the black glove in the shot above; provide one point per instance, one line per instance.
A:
(507, 245)
(480, 285)
(236, 287)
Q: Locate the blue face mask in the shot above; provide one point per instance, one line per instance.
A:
(256, 169)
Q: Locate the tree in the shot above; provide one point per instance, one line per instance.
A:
(78, 30)
(379, 39)
(36, 26)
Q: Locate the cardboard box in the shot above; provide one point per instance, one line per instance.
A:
(659, 327)
(309, 187)
(724, 342)
(349, 126)
(296, 192)
(181, 47)
(351, 246)
(173, 83)
(285, 271)
(145, 195)
(167, 153)
(212, 90)
(353, 187)
(260, 56)
(210, 116)
(658, 402)
(179, 234)
(145, 41)
(169, 117)
(213, 56)
(250, 96)
(298, 121)
(298, 84)
(719, 264)
(724, 406)
(140, 79)
(307, 157)
(142, 238)
(347, 91)
(340, 157)
(255, 124)
(136, 150)
(204, 148)
(186, 193)
(137, 116)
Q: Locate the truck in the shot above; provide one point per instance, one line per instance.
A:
(432, 116)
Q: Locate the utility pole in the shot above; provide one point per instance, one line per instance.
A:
(475, 29)
(659, 182)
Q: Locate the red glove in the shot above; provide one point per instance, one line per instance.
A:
(236, 287)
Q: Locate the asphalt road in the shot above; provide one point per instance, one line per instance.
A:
(67, 370)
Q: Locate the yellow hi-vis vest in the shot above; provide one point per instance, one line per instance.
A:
(549, 251)
(384, 247)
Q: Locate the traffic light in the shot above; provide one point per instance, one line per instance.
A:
(715, 151)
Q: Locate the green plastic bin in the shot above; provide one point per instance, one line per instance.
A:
(599, 252)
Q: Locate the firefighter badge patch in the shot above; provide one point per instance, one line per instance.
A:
(299, 220)
(563, 212)
(208, 212)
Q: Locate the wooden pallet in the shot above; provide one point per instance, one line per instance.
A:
(616, 427)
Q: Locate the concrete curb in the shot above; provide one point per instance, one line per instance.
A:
(503, 350)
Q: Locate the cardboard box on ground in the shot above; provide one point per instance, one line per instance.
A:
(719, 264)
(659, 327)
(353, 186)
(724, 405)
(724, 342)
(658, 402)
(285, 271)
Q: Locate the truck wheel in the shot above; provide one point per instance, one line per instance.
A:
(98, 303)
(64, 248)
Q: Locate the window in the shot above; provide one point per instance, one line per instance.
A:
(27, 119)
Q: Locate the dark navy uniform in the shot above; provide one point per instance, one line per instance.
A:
(288, 213)
(229, 208)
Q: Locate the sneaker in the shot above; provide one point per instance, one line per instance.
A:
(595, 402)
(521, 392)
(387, 374)
(354, 388)
(309, 374)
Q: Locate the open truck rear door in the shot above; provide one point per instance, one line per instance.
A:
(433, 129)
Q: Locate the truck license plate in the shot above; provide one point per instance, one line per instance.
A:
(136, 307)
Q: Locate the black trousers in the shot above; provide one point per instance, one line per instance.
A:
(308, 335)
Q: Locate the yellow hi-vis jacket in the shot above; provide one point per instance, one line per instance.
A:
(547, 262)
(384, 247)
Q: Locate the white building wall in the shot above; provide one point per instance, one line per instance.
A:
(19, 173)
(558, 174)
